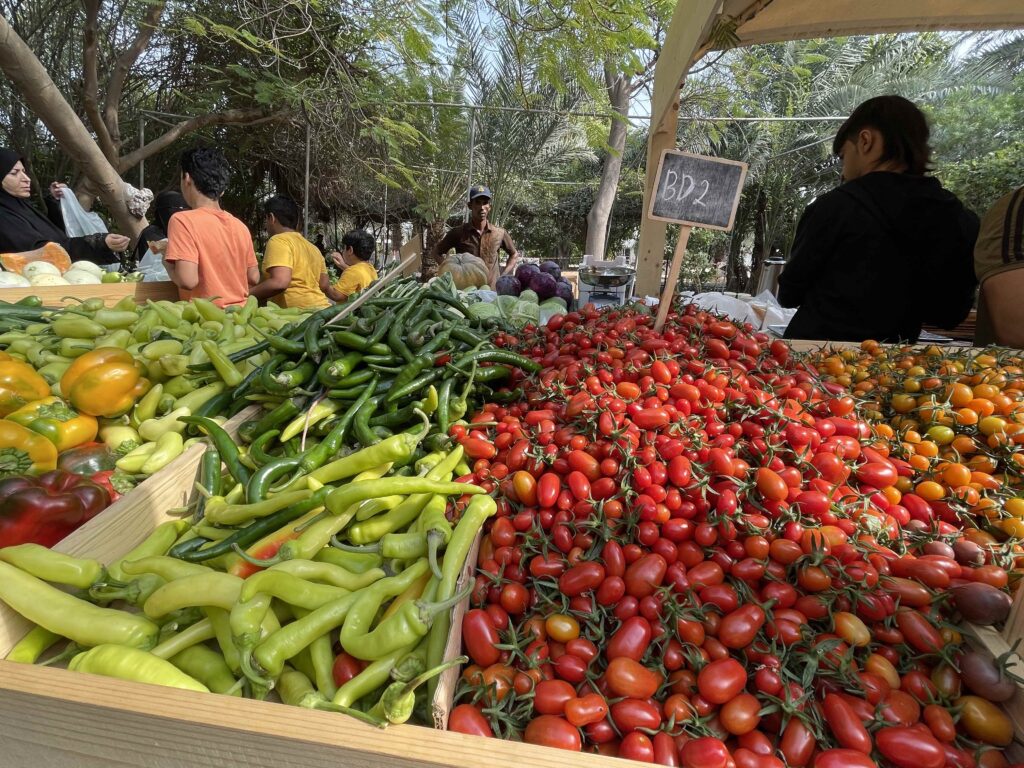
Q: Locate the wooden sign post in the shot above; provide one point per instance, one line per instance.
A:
(694, 191)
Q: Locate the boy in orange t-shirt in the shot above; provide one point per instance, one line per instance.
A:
(209, 251)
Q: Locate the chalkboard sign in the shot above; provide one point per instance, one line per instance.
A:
(696, 190)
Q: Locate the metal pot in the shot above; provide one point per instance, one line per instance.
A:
(606, 277)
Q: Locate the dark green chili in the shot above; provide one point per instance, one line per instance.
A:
(414, 386)
(257, 448)
(360, 344)
(311, 335)
(209, 480)
(223, 442)
(318, 456)
(361, 422)
(444, 398)
(333, 370)
(495, 355)
(280, 415)
(361, 376)
(263, 478)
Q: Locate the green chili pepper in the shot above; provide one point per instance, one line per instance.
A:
(296, 690)
(353, 379)
(436, 530)
(257, 449)
(33, 645)
(402, 515)
(56, 567)
(133, 664)
(321, 652)
(328, 573)
(195, 399)
(157, 543)
(221, 513)
(256, 530)
(218, 618)
(167, 568)
(259, 485)
(199, 632)
(399, 699)
(209, 480)
(223, 442)
(219, 590)
(226, 369)
(479, 509)
(208, 668)
(382, 386)
(342, 498)
(317, 413)
(269, 656)
(84, 623)
(356, 342)
(444, 396)
(414, 386)
(281, 414)
(169, 446)
(391, 546)
(334, 370)
(375, 675)
(495, 355)
(350, 561)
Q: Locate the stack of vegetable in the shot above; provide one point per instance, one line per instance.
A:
(119, 374)
(205, 619)
(703, 558)
(42, 273)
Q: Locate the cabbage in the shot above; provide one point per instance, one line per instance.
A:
(525, 313)
(508, 285)
(564, 292)
(554, 303)
(529, 296)
(544, 285)
(552, 268)
(524, 272)
(507, 305)
(484, 311)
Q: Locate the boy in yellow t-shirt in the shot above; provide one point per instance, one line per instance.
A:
(292, 266)
(357, 249)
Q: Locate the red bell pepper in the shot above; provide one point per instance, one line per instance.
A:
(45, 509)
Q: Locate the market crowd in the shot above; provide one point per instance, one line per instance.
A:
(886, 252)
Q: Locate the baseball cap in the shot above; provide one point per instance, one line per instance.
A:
(479, 191)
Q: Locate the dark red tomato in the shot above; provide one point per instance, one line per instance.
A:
(740, 714)
(480, 637)
(877, 474)
(630, 678)
(918, 632)
(665, 751)
(739, 628)
(551, 696)
(638, 746)
(345, 668)
(706, 752)
(721, 680)
(843, 758)
(630, 714)
(630, 640)
(797, 744)
(548, 488)
(846, 726)
(515, 598)
(900, 708)
(579, 485)
(770, 485)
(910, 748)
(581, 578)
(570, 667)
(644, 576)
(466, 718)
(552, 731)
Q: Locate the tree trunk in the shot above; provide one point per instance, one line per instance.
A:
(41, 95)
(735, 274)
(435, 231)
(600, 212)
(761, 244)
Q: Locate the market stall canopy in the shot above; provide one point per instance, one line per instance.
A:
(697, 24)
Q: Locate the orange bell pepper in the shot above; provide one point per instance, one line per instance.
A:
(52, 418)
(105, 382)
(24, 452)
(19, 384)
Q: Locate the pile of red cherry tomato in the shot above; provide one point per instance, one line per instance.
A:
(700, 559)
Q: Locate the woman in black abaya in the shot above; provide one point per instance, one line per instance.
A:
(23, 228)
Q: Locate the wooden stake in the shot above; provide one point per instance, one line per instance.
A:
(673, 277)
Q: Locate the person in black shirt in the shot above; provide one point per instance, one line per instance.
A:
(887, 250)
(165, 205)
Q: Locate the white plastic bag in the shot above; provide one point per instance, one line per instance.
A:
(152, 268)
(77, 221)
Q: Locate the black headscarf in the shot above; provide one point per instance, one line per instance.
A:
(165, 205)
(22, 227)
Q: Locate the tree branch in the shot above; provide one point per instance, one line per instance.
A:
(124, 63)
(228, 117)
(91, 86)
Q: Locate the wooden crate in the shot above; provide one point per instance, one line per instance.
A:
(111, 293)
(52, 717)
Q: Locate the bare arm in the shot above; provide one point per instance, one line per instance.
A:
(1002, 297)
(253, 275)
(278, 279)
(184, 274)
(329, 291)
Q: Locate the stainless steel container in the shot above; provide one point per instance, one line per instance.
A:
(768, 280)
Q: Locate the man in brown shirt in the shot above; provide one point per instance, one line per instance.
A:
(999, 265)
(479, 237)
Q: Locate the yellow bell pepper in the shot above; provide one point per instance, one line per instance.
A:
(105, 382)
(19, 384)
(23, 452)
(52, 418)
